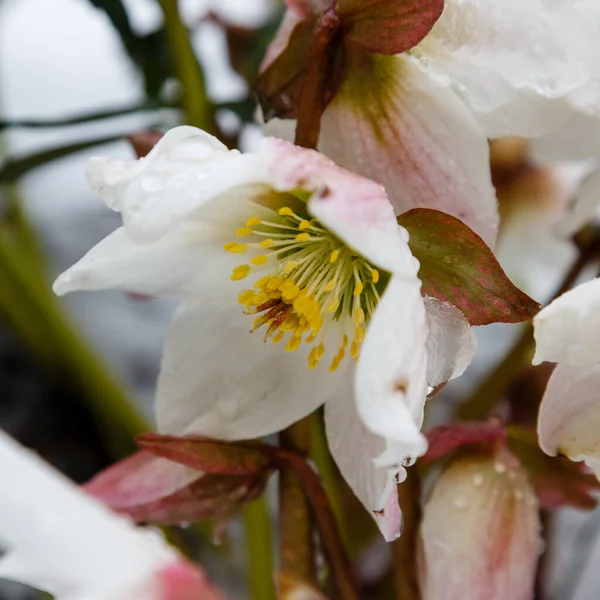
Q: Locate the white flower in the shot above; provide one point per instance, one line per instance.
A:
(567, 331)
(418, 122)
(65, 542)
(289, 269)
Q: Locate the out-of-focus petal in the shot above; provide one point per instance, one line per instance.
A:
(390, 380)
(415, 136)
(66, 542)
(569, 419)
(480, 533)
(517, 65)
(585, 208)
(354, 448)
(220, 380)
(566, 330)
(451, 343)
(291, 18)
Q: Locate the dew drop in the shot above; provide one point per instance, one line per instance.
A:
(500, 467)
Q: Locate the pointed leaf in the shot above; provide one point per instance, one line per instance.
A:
(557, 480)
(208, 455)
(388, 26)
(458, 267)
(447, 438)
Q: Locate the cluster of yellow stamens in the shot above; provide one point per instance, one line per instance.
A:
(313, 285)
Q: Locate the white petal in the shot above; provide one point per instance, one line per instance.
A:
(177, 264)
(390, 377)
(414, 136)
(64, 541)
(569, 419)
(184, 172)
(451, 343)
(567, 329)
(354, 448)
(514, 62)
(586, 205)
(220, 380)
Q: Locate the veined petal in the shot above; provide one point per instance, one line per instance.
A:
(390, 379)
(515, 63)
(415, 136)
(451, 343)
(569, 419)
(354, 208)
(186, 260)
(354, 448)
(64, 541)
(187, 169)
(219, 380)
(566, 330)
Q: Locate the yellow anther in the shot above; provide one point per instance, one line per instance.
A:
(293, 343)
(286, 212)
(289, 266)
(267, 243)
(252, 221)
(243, 232)
(240, 272)
(359, 335)
(239, 249)
(262, 282)
(330, 286)
(313, 364)
(278, 337)
(345, 342)
(304, 225)
(375, 276)
(333, 305)
(303, 237)
(311, 338)
(358, 288)
(260, 298)
(259, 260)
(229, 245)
(335, 363)
(244, 297)
(334, 256)
(320, 351)
(274, 282)
(354, 349)
(359, 316)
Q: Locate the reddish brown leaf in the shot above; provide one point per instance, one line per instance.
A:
(388, 26)
(447, 438)
(557, 480)
(458, 267)
(144, 142)
(208, 455)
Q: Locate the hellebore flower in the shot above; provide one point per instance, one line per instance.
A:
(418, 121)
(566, 332)
(63, 541)
(480, 534)
(290, 270)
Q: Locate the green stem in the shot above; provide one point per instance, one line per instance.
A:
(197, 108)
(260, 550)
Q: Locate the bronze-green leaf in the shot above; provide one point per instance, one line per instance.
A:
(458, 267)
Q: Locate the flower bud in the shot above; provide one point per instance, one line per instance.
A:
(480, 535)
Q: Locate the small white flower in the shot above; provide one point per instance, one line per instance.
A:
(290, 270)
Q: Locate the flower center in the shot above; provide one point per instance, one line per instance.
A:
(312, 286)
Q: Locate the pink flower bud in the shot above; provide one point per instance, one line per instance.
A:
(480, 535)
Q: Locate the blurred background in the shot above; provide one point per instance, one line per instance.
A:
(77, 376)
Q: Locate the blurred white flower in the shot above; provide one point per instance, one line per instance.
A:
(65, 542)
(331, 271)
(480, 534)
(418, 122)
(567, 332)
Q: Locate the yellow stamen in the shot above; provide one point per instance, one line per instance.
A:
(375, 276)
(333, 305)
(358, 288)
(278, 337)
(274, 283)
(304, 225)
(289, 266)
(330, 286)
(229, 245)
(303, 237)
(359, 334)
(240, 272)
(262, 282)
(334, 256)
(243, 297)
(359, 316)
(252, 221)
(293, 344)
(243, 232)
(267, 243)
(354, 349)
(239, 249)
(286, 212)
(259, 260)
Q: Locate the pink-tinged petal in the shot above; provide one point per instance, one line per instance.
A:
(414, 136)
(356, 209)
(354, 448)
(186, 260)
(566, 330)
(64, 541)
(291, 18)
(480, 532)
(451, 344)
(519, 66)
(390, 381)
(306, 8)
(569, 419)
(182, 174)
(220, 380)
(183, 581)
